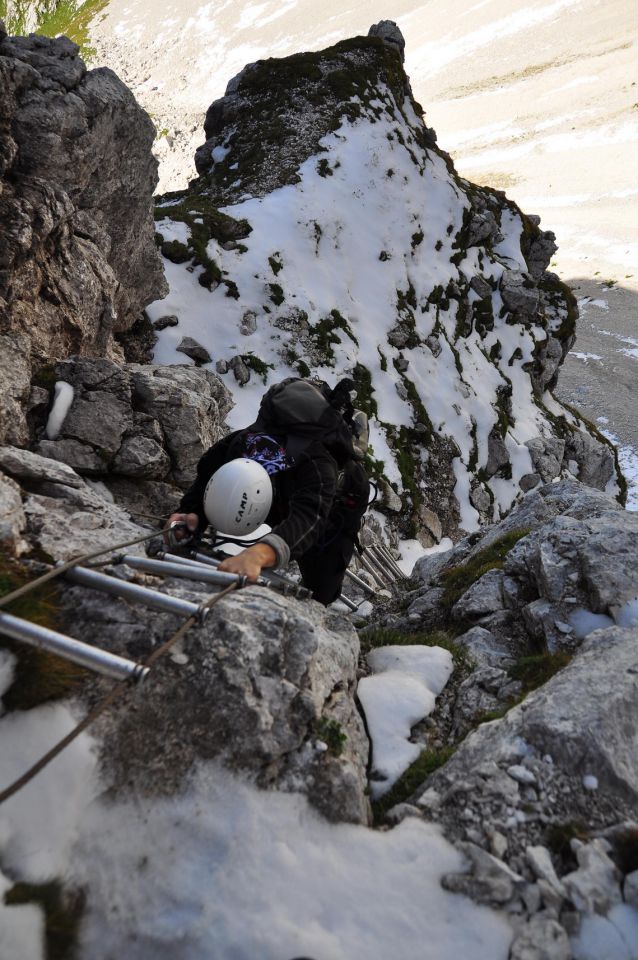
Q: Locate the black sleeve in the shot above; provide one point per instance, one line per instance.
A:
(213, 459)
(310, 499)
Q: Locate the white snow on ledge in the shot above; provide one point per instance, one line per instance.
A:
(402, 690)
(63, 398)
(226, 870)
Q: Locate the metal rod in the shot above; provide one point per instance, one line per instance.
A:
(360, 583)
(163, 568)
(185, 561)
(371, 570)
(273, 576)
(382, 561)
(131, 591)
(348, 602)
(381, 572)
(100, 661)
(395, 566)
(390, 582)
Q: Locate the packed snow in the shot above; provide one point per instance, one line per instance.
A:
(400, 692)
(223, 870)
(614, 937)
(62, 399)
(628, 460)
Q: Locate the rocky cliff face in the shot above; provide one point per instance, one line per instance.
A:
(328, 232)
(525, 631)
(77, 259)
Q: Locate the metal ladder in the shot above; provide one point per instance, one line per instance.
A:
(197, 566)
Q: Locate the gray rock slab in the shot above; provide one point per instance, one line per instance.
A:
(12, 518)
(266, 685)
(483, 597)
(25, 465)
(585, 717)
(81, 457)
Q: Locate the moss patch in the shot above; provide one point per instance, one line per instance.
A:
(65, 18)
(39, 676)
(535, 670)
(331, 732)
(456, 580)
(425, 764)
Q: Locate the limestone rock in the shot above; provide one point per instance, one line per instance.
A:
(541, 938)
(390, 34)
(519, 292)
(267, 686)
(25, 465)
(78, 261)
(483, 597)
(490, 881)
(12, 518)
(80, 456)
(194, 350)
(141, 457)
(594, 887)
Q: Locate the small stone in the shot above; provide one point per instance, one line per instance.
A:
(590, 782)
(240, 371)
(194, 350)
(528, 481)
(542, 938)
(480, 286)
(248, 323)
(221, 366)
(401, 364)
(170, 320)
(498, 843)
(433, 344)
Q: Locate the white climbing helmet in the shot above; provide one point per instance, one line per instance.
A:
(238, 497)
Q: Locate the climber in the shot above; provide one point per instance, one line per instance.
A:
(297, 468)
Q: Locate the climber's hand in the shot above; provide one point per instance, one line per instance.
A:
(249, 562)
(181, 533)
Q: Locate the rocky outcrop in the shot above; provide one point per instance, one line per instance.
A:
(78, 262)
(141, 429)
(266, 683)
(558, 566)
(450, 324)
(542, 784)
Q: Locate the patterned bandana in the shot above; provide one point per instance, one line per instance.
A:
(268, 452)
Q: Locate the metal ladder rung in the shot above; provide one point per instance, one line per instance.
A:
(132, 591)
(93, 658)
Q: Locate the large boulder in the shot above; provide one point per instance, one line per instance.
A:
(78, 262)
(147, 424)
(266, 684)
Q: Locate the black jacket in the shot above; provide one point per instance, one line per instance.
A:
(303, 495)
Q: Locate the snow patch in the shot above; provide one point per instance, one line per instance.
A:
(401, 691)
(583, 622)
(62, 399)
